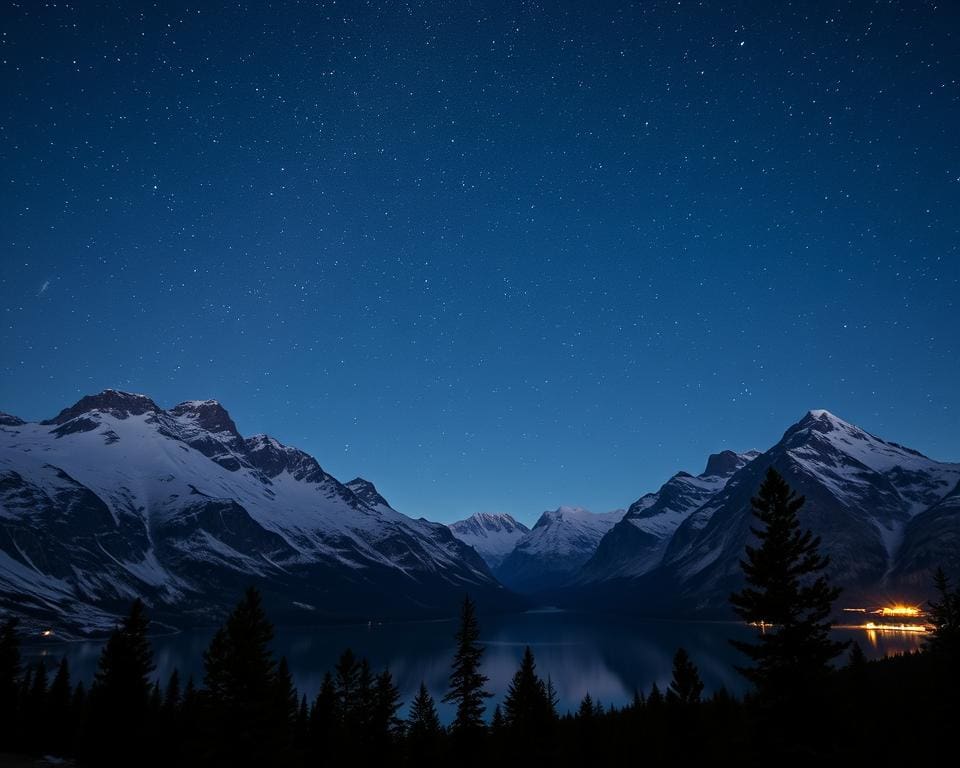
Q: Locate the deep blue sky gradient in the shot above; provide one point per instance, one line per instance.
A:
(492, 256)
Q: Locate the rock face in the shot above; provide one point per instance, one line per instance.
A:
(494, 536)
(117, 497)
(636, 544)
(886, 514)
(552, 553)
(930, 540)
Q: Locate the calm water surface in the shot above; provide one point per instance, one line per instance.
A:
(607, 656)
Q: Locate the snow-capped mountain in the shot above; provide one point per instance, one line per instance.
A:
(636, 544)
(554, 550)
(887, 516)
(494, 536)
(117, 497)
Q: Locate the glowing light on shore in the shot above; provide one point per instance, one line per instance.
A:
(899, 610)
(896, 610)
(871, 626)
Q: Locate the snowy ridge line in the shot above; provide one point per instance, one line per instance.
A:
(175, 504)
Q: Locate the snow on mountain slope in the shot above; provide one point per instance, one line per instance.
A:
(494, 536)
(861, 495)
(117, 497)
(555, 548)
(637, 543)
(931, 540)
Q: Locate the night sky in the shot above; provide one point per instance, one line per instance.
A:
(493, 257)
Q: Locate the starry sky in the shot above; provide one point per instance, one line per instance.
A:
(492, 256)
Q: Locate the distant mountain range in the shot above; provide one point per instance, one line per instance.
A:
(887, 515)
(545, 557)
(116, 497)
(555, 549)
(494, 536)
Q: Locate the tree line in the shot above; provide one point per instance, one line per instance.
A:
(247, 711)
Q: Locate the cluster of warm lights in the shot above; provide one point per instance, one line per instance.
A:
(870, 626)
(898, 610)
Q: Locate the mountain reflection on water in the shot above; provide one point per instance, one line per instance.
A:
(607, 656)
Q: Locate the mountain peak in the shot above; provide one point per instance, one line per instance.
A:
(727, 462)
(825, 421)
(578, 516)
(112, 401)
(490, 521)
(9, 420)
(367, 492)
(209, 414)
(828, 425)
(493, 535)
(564, 511)
(820, 430)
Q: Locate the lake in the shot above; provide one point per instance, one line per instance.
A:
(607, 656)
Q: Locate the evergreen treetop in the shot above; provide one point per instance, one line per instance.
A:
(238, 665)
(527, 706)
(944, 641)
(423, 720)
(787, 595)
(122, 679)
(467, 682)
(686, 685)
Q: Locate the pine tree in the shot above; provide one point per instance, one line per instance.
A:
(466, 689)
(686, 686)
(301, 728)
(553, 699)
(424, 722)
(326, 706)
(156, 699)
(526, 706)
(9, 682)
(587, 708)
(188, 702)
(325, 719)
(60, 722)
(121, 690)
(38, 690)
(239, 666)
(122, 680)
(347, 685)
(385, 727)
(169, 725)
(171, 697)
(498, 724)
(363, 713)
(788, 593)
(35, 709)
(245, 721)
(424, 731)
(944, 641)
(585, 730)
(655, 699)
(189, 715)
(284, 693)
(23, 693)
